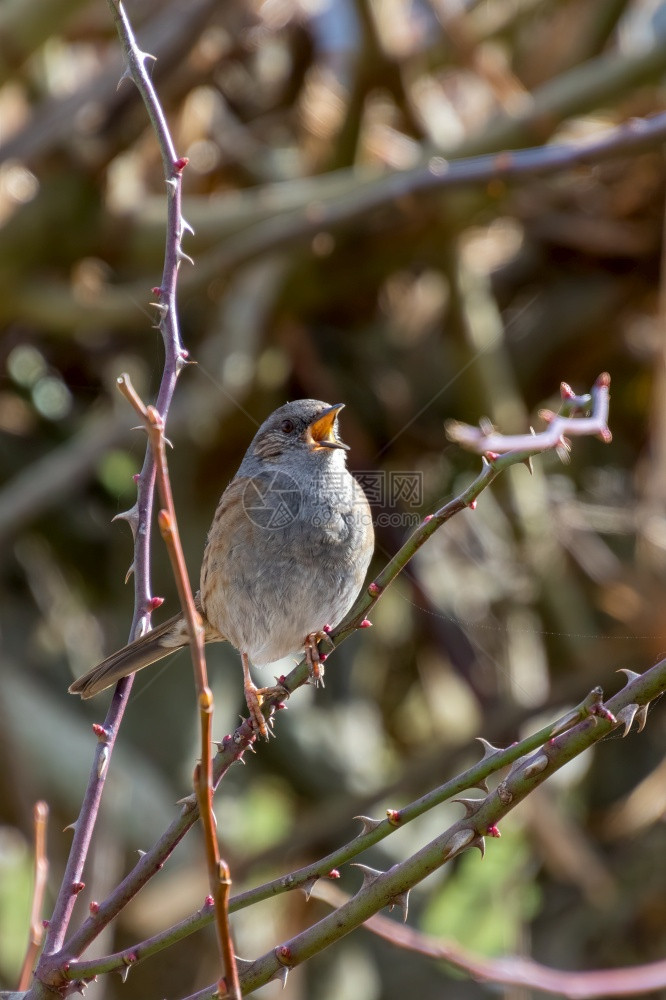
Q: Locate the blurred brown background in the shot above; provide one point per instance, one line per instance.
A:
(447, 305)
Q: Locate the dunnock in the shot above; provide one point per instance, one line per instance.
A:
(286, 556)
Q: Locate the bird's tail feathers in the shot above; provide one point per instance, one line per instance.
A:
(142, 652)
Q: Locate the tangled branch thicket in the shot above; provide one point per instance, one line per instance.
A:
(346, 248)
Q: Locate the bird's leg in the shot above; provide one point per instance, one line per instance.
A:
(254, 697)
(314, 659)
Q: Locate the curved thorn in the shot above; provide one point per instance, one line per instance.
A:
(641, 717)
(459, 841)
(488, 748)
(308, 886)
(470, 806)
(626, 716)
(125, 75)
(370, 875)
(184, 256)
(402, 901)
(369, 824)
(630, 674)
(281, 975)
(479, 842)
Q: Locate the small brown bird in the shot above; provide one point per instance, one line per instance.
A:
(286, 556)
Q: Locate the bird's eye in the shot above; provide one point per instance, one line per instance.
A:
(287, 426)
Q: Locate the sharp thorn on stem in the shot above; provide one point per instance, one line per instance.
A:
(125, 75)
(370, 875)
(369, 824)
(183, 256)
(281, 975)
(480, 843)
(470, 806)
(631, 675)
(401, 901)
(488, 749)
(308, 886)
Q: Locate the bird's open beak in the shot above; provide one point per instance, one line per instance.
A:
(322, 430)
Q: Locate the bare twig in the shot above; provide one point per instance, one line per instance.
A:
(493, 759)
(218, 870)
(233, 747)
(53, 960)
(41, 816)
(155, 420)
(49, 969)
(166, 307)
(486, 441)
(512, 970)
(493, 463)
(153, 860)
(591, 706)
(481, 817)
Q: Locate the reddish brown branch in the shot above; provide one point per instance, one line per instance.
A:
(218, 870)
(512, 970)
(41, 816)
(487, 441)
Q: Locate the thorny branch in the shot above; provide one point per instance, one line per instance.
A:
(485, 440)
(493, 759)
(494, 461)
(54, 958)
(234, 745)
(512, 970)
(391, 888)
(499, 452)
(41, 816)
(218, 870)
(502, 165)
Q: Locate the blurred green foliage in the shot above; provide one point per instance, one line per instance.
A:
(465, 908)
